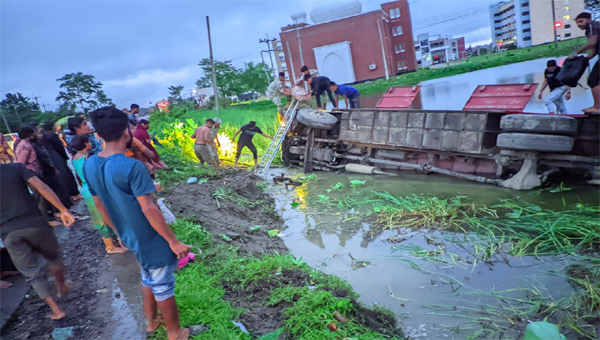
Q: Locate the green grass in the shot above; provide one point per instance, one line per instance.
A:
(473, 64)
(175, 133)
(201, 286)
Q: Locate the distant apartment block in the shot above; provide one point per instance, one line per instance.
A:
(438, 49)
(529, 22)
(346, 45)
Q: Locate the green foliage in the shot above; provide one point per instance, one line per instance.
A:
(175, 94)
(18, 110)
(233, 81)
(81, 91)
(543, 331)
(254, 77)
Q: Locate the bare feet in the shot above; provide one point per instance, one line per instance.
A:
(116, 250)
(57, 316)
(122, 245)
(77, 198)
(184, 334)
(4, 284)
(591, 109)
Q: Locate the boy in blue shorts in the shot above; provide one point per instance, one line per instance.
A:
(122, 190)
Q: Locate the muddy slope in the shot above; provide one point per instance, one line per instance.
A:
(233, 219)
(88, 311)
(249, 206)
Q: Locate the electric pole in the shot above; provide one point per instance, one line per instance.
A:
(266, 73)
(212, 62)
(269, 44)
(554, 23)
(299, 42)
(5, 122)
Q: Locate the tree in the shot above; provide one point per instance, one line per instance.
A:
(229, 82)
(254, 77)
(18, 110)
(81, 90)
(175, 94)
(593, 6)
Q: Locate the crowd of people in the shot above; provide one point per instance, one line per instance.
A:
(113, 162)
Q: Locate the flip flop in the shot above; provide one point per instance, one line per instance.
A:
(160, 321)
(194, 331)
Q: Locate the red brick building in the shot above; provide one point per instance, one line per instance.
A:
(352, 49)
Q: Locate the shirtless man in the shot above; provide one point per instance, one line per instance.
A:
(203, 143)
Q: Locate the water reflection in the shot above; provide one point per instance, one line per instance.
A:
(451, 93)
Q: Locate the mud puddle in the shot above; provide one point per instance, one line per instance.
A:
(453, 296)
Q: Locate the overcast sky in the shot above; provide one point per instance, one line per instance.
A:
(139, 48)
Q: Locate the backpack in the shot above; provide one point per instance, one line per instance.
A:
(572, 70)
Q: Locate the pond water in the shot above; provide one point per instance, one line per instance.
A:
(452, 298)
(451, 93)
(456, 296)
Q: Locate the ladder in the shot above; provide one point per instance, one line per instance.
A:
(273, 148)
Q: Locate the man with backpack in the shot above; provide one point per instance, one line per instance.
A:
(592, 32)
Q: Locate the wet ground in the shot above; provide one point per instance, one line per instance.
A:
(447, 299)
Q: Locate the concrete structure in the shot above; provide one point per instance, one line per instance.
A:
(438, 49)
(350, 49)
(526, 23)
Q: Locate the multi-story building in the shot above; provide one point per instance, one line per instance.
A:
(526, 23)
(348, 46)
(438, 49)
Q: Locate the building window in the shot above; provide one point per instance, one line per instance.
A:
(397, 30)
(417, 48)
(525, 13)
(453, 43)
(526, 38)
(425, 50)
(567, 17)
(395, 13)
(526, 22)
(497, 21)
(279, 46)
(454, 50)
(402, 65)
(568, 26)
(567, 35)
(527, 30)
(281, 57)
(525, 4)
(287, 76)
(399, 48)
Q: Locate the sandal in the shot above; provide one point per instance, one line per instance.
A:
(192, 330)
(159, 322)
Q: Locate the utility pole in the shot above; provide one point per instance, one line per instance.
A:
(299, 41)
(266, 73)
(554, 23)
(269, 44)
(212, 61)
(385, 65)
(293, 80)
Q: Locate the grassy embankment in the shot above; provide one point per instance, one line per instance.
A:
(502, 232)
(473, 64)
(200, 290)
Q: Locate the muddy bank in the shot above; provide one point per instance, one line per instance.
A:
(232, 206)
(87, 306)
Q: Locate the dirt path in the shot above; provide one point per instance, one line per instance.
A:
(88, 311)
(231, 205)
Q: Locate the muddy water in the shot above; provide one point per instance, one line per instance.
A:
(430, 302)
(451, 93)
(127, 309)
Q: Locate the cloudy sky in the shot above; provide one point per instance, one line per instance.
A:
(139, 48)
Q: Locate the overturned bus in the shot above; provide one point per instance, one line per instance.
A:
(491, 140)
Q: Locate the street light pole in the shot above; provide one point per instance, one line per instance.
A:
(554, 23)
(212, 61)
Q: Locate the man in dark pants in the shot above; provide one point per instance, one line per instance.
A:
(319, 85)
(592, 32)
(248, 131)
(26, 235)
